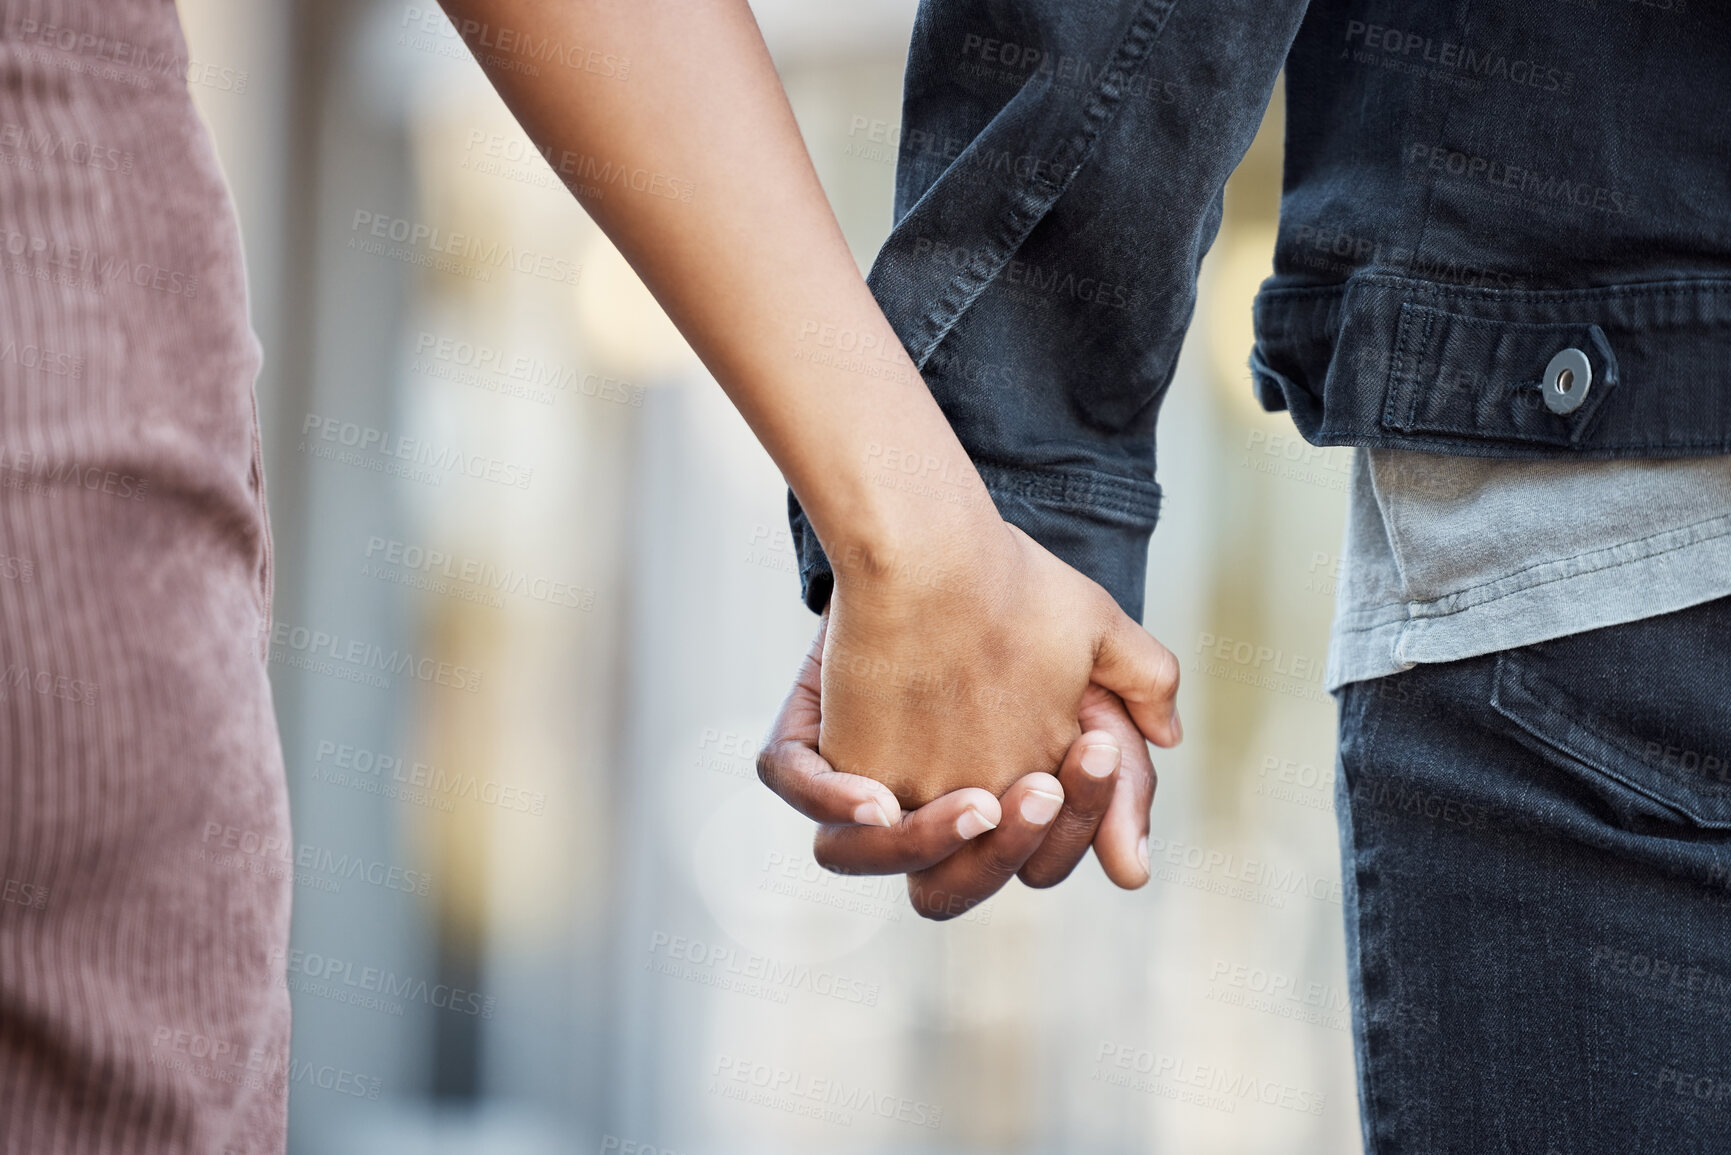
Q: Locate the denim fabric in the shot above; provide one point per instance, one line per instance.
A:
(1536, 867)
(1470, 189)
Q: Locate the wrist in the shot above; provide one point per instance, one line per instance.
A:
(886, 485)
(909, 541)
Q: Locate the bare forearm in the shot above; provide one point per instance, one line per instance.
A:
(732, 233)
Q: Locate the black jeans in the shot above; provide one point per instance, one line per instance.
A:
(1536, 853)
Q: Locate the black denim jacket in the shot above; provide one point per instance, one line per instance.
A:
(1484, 203)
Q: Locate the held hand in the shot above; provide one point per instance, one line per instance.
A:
(966, 664)
(961, 848)
(1116, 826)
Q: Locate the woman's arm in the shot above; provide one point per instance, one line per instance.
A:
(752, 268)
(958, 650)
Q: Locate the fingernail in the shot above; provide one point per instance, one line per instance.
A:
(1142, 853)
(1039, 807)
(1177, 726)
(972, 824)
(871, 814)
(1100, 760)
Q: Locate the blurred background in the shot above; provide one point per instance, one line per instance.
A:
(578, 923)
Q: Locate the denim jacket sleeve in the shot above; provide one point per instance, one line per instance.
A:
(1059, 179)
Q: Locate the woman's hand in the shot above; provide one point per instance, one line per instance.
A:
(965, 664)
(962, 847)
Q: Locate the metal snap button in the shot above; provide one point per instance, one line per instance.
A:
(1567, 379)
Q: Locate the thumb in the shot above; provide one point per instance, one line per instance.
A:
(1130, 663)
(1121, 842)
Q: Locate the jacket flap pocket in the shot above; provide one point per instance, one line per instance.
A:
(1483, 378)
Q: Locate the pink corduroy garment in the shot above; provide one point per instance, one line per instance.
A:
(145, 869)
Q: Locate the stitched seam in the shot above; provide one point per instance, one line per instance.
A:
(1703, 286)
(1376, 1121)
(1075, 489)
(1128, 59)
(1429, 442)
(1576, 423)
(1571, 576)
(1517, 681)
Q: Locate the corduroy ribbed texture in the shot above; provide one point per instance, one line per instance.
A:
(145, 868)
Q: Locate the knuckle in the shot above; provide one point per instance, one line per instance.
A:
(1044, 877)
(768, 768)
(1165, 672)
(996, 865)
(940, 903)
(1074, 826)
(1037, 876)
(830, 853)
(931, 912)
(1108, 614)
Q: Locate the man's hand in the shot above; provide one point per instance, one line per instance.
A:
(962, 847)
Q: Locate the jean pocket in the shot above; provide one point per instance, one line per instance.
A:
(1635, 717)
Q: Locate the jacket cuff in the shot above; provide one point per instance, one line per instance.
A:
(1097, 523)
